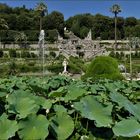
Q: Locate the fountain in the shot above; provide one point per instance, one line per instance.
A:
(41, 50)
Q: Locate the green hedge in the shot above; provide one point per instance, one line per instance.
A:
(56, 68)
(12, 53)
(1, 53)
(103, 67)
(25, 54)
(76, 65)
(74, 69)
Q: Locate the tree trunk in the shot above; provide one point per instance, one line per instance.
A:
(40, 23)
(115, 32)
(130, 64)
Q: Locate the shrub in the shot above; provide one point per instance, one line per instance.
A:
(73, 68)
(56, 68)
(28, 67)
(7, 35)
(76, 64)
(60, 57)
(12, 53)
(13, 68)
(52, 35)
(33, 55)
(1, 53)
(25, 54)
(46, 55)
(53, 54)
(85, 66)
(32, 35)
(4, 70)
(136, 54)
(5, 55)
(35, 69)
(122, 55)
(31, 63)
(18, 55)
(76, 60)
(117, 55)
(103, 67)
(24, 68)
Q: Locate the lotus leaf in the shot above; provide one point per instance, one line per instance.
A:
(110, 87)
(58, 93)
(74, 92)
(62, 126)
(124, 102)
(45, 103)
(3, 94)
(90, 108)
(135, 85)
(21, 104)
(94, 88)
(60, 108)
(25, 106)
(34, 127)
(7, 127)
(127, 128)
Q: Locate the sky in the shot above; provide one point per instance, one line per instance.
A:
(72, 7)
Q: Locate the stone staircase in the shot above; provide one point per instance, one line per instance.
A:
(68, 53)
(88, 54)
(95, 53)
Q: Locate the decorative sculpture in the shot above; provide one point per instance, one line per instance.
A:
(65, 63)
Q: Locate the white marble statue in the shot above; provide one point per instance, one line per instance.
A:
(65, 63)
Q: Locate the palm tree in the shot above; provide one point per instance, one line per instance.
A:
(42, 9)
(3, 24)
(115, 9)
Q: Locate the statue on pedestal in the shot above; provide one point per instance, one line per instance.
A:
(65, 63)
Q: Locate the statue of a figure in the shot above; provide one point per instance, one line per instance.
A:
(65, 63)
